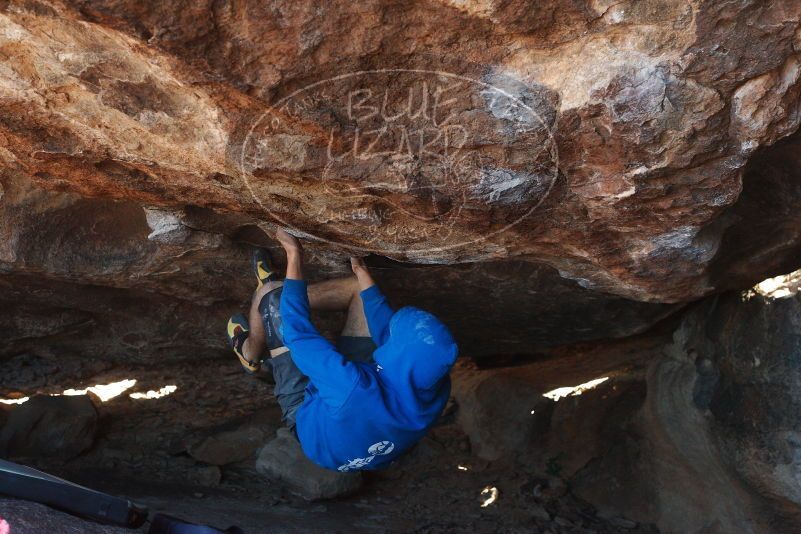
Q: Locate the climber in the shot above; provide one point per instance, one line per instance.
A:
(367, 400)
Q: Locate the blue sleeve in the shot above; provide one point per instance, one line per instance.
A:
(329, 371)
(378, 313)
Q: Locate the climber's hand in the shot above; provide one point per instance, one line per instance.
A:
(288, 241)
(361, 272)
(358, 265)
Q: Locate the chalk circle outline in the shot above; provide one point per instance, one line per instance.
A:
(272, 111)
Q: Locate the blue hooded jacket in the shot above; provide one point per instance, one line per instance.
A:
(364, 415)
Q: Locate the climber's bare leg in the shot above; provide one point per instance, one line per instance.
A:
(356, 322)
(333, 295)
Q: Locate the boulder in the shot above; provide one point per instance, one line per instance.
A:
(601, 164)
(749, 380)
(52, 427)
(282, 459)
(492, 402)
(604, 139)
(582, 427)
(111, 312)
(715, 445)
(230, 446)
(695, 428)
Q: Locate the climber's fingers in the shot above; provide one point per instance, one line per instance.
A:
(287, 240)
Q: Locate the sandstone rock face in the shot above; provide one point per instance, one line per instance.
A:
(490, 403)
(749, 382)
(715, 443)
(143, 144)
(694, 429)
(679, 102)
(88, 276)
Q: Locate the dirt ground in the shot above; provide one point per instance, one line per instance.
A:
(142, 453)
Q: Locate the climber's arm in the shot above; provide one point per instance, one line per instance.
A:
(329, 371)
(376, 308)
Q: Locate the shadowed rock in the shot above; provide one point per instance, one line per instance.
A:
(282, 459)
(60, 427)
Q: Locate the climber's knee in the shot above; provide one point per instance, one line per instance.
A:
(266, 288)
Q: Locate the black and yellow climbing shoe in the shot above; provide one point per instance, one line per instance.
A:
(263, 266)
(238, 329)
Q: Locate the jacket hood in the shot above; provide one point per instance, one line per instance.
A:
(420, 350)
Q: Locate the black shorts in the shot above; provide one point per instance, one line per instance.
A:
(290, 383)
